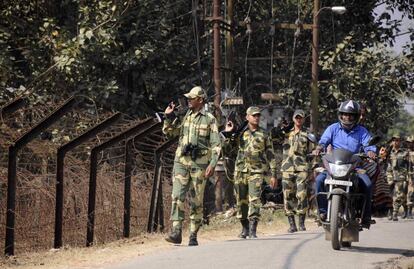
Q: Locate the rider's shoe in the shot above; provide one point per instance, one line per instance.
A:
(322, 216)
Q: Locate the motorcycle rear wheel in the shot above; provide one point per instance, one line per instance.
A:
(336, 208)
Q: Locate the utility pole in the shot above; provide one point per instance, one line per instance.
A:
(229, 47)
(314, 111)
(216, 50)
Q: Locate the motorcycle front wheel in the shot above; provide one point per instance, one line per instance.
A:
(336, 209)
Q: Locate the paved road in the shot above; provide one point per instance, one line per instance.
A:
(308, 250)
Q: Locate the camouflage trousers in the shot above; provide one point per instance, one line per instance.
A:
(410, 194)
(295, 192)
(187, 179)
(400, 195)
(247, 187)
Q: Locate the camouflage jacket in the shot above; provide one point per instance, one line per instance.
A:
(255, 152)
(411, 165)
(295, 148)
(397, 169)
(198, 129)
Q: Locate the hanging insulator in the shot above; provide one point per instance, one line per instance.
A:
(248, 22)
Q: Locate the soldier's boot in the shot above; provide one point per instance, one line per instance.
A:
(193, 240)
(302, 222)
(175, 236)
(292, 224)
(253, 228)
(245, 228)
(410, 212)
(404, 216)
(389, 214)
(395, 216)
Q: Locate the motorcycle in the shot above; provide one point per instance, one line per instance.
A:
(346, 202)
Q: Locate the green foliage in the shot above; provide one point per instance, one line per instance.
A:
(135, 56)
(372, 76)
(403, 125)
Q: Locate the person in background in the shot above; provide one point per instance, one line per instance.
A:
(397, 176)
(295, 171)
(255, 156)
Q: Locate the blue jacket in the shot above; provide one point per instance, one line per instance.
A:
(351, 140)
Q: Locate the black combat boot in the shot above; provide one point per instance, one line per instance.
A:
(395, 216)
(292, 224)
(404, 216)
(245, 228)
(253, 228)
(193, 240)
(302, 222)
(410, 212)
(175, 237)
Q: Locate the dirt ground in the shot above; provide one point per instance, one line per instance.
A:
(221, 228)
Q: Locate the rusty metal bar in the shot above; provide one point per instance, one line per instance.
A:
(61, 153)
(155, 201)
(150, 125)
(12, 167)
(13, 106)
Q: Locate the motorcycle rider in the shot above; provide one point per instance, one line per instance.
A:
(349, 135)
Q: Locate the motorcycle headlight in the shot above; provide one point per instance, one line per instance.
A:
(339, 170)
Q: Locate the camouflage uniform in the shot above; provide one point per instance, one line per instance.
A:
(397, 174)
(295, 171)
(254, 157)
(198, 129)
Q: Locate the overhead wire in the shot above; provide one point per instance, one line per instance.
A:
(272, 34)
(248, 32)
(197, 40)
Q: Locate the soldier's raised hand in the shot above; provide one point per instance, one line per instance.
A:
(229, 126)
(170, 108)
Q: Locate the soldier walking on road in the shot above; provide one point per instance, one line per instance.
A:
(397, 175)
(196, 156)
(255, 156)
(295, 170)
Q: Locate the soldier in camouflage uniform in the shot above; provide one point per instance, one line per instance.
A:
(255, 156)
(410, 195)
(397, 175)
(295, 169)
(196, 156)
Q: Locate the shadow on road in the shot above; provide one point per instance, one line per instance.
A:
(404, 252)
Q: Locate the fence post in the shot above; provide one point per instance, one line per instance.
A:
(150, 127)
(156, 201)
(61, 153)
(12, 167)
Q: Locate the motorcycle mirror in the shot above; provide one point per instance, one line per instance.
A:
(312, 138)
(374, 140)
